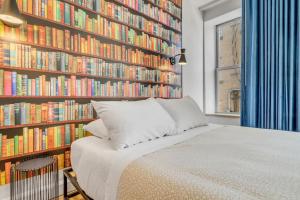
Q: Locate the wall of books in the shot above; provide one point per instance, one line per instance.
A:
(72, 51)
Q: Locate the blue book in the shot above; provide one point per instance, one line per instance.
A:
(7, 115)
(37, 87)
(98, 5)
(67, 14)
(14, 83)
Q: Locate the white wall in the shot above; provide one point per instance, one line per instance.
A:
(193, 42)
(193, 72)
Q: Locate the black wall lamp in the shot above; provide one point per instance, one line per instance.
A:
(10, 14)
(182, 59)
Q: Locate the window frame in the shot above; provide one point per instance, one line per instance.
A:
(218, 69)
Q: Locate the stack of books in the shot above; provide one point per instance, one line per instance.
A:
(25, 56)
(38, 139)
(34, 113)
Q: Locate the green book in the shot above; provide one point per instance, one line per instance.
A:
(80, 130)
(16, 145)
(58, 14)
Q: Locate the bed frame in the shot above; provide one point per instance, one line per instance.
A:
(70, 175)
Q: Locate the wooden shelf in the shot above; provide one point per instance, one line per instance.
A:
(146, 16)
(118, 2)
(118, 21)
(85, 54)
(40, 71)
(166, 11)
(35, 153)
(96, 35)
(46, 124)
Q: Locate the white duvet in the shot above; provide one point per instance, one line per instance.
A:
(213, 162)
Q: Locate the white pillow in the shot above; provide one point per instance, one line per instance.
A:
(129, 123)
(97, 128)
(185, 112)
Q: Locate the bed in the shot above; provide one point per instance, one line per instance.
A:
(213, 162)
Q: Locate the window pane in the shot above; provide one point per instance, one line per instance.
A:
(229, 43)
(228, 84)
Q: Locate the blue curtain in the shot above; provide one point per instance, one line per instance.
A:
(270, 83)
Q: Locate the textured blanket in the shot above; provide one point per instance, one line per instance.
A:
(225, 163)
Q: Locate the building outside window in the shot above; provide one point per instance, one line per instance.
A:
(228, 71)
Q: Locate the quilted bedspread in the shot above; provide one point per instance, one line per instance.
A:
(224, 163)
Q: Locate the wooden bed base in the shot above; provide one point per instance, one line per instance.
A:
(70, 175)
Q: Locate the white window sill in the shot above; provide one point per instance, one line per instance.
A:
(223, 115)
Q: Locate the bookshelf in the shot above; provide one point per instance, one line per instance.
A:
(70, 52)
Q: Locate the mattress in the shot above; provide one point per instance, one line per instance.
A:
(214, 162)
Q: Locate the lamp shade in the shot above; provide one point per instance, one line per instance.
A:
(182, 59)
(10, 14)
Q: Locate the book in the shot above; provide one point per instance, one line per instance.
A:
(40, 139)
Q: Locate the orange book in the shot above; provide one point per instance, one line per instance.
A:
(32, 113)
(50, 10)
(42, 35)
(44, 112)
(73, 132)
(4, 145)
(7, 172)
(67, 39)
(54, 38)
(50, 137)
(30, 140)
(20, 4)
(29, 6)
(20, 144)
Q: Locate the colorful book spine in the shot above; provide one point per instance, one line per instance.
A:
(38, 139)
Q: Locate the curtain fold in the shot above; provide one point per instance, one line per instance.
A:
(270, 82)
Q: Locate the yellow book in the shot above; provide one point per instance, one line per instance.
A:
(25, 138)
(61, 161)
(2, 33)
(2, 177)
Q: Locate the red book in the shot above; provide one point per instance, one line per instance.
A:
(62, 131)
(30, 140)
(29, 33)
(7, 83)
(72, 15)
(89, 89)
(62, 11)
(4, 145)
(54, 40)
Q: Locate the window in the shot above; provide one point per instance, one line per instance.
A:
(228, 67)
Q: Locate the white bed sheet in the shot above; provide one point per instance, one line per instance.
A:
(98, 167)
